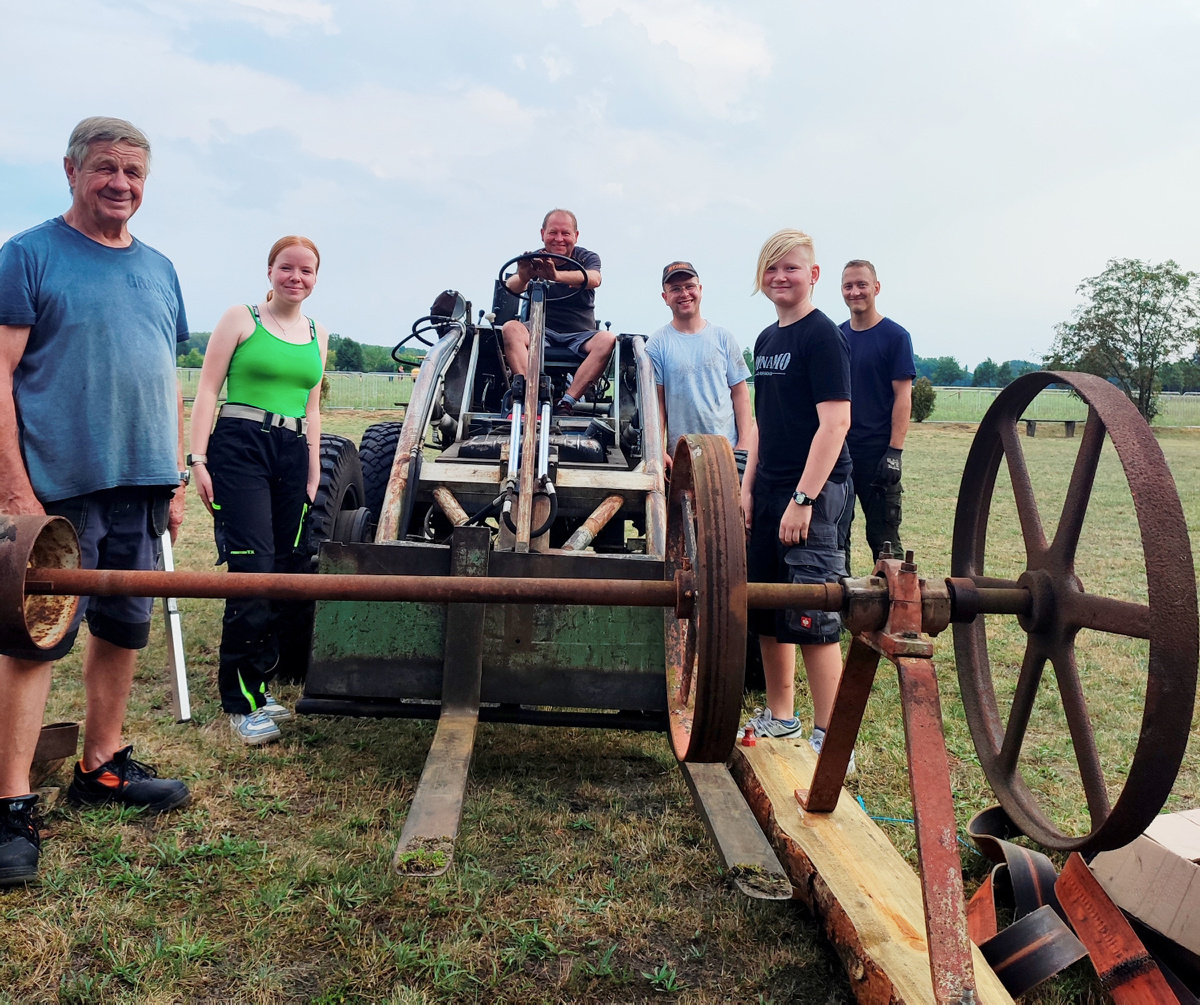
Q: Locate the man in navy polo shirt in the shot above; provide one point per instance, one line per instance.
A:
(881, 374)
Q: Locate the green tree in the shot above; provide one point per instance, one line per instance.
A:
(349, 354)
(1136, 317)
(947, 372)
(923, 397)
(193, 359)
(985, 374)
(748, 356)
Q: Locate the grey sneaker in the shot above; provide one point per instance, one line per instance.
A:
(817, 741)
(277, 712)
(255, 728)
(765, 724)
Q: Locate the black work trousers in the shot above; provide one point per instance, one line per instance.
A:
(260, 504)
(880, 504)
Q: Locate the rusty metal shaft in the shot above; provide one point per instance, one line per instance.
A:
(436, 589)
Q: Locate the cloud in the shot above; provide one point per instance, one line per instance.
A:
(275, 17)
(726, 53)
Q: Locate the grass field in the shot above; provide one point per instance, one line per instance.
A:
(583, 872)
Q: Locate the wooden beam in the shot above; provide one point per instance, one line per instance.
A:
(867, 898)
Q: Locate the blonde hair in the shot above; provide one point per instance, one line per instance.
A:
(778, 245)
(291, 241)
(861, 263)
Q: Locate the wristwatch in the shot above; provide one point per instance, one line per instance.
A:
(195, 459)
(185, 477)
(801, 499)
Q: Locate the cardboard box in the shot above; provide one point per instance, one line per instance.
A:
(1157, 877)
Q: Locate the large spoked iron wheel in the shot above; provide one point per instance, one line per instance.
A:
(706, 652)
(1062, 608)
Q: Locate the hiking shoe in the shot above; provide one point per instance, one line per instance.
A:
(20, 841)
(765, 724)
(817, 741)
(564, 407)
(277, 712)
(255, 728)
(128, 782)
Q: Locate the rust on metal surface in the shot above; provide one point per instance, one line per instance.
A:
(329, 586)
(706, 652)
(1127, 971)
(936, 831)
(1059, 608)
(586, 533)
(652, 455)
(402, 479)
(32, 621)
(854, 689)
(450, 506)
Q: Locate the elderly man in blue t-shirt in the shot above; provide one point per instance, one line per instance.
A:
(699, 368)
(881, 373)
(90, 419)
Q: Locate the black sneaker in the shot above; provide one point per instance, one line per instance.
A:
(126, 781)
(20, 842)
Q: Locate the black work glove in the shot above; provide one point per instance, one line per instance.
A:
(888, 472)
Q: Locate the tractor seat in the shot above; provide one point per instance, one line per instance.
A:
(560, 356)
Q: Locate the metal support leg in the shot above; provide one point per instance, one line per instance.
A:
(937, 834)
(426, 845)
(848, 708)
(181, 701)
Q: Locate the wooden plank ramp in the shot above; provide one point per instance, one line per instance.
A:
(843, 867)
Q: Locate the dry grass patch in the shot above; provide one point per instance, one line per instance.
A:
(582, 874)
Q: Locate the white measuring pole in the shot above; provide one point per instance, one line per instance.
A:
(180, 698)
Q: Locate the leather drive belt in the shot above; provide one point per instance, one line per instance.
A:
(268, 419)
(1040, 941)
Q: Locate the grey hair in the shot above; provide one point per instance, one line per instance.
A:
(103, 129)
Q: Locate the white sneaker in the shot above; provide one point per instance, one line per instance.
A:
(817, 741)
(255, 728)
(765, 724)
(277, 712)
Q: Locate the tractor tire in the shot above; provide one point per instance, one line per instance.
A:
(376, 451)
(339, 496)
(337, 514)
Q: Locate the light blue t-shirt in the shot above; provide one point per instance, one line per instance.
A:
(696, 373)
(95, 390)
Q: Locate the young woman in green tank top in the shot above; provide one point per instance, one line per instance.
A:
(258, 470)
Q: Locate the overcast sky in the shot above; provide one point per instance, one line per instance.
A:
(985, 157)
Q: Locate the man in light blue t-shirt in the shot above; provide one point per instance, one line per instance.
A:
(90, 416)
(700, 371)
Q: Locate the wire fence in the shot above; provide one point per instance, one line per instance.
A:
(346, 390)
(954, 404)
(968, 404)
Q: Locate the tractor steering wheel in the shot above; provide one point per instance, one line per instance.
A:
(544, 254)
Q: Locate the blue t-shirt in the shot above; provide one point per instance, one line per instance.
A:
(696, 373)
(878, 355)
(95, 390)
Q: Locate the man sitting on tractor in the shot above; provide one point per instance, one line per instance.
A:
(571, 320)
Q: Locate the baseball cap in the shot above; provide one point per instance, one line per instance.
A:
(674, 267)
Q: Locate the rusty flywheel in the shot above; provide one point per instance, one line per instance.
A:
(1061, 607)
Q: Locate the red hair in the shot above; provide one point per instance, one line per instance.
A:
(291, 241)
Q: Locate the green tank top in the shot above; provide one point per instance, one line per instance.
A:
(267, 372)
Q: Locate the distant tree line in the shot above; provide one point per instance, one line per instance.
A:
(344, 354)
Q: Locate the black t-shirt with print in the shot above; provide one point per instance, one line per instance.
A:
(796, 367)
